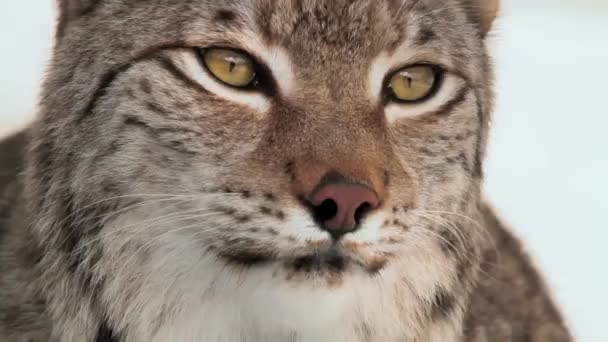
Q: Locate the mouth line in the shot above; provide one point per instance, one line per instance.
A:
(332, 260)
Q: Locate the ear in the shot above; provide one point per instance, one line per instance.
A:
(70, 10)
(488, 10)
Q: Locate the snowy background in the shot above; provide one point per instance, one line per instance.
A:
(548, 166)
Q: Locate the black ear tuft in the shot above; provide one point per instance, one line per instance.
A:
(72, 9)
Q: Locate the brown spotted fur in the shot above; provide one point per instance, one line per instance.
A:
(120, 121)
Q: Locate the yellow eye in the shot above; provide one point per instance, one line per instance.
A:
(413, 83)
(231, 67)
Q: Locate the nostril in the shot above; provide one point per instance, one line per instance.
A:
(361, 211)
(327, 210)
(340, 208)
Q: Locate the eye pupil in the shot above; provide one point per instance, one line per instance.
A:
(412, 84)
(233, 68)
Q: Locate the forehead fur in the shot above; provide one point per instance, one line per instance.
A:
(99, 38)
(330, 33)
(319, 24)
(335, 23)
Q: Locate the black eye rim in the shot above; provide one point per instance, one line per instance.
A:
(262, 82)
(390, 96)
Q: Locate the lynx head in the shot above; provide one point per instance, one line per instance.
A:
(311, 167)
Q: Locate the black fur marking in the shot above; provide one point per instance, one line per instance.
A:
(110, 76)
(266, 211)
(270, 197)
(103, 86)
(425, 150)
(280, 215)
(106, 334)
(155, 107)
(225, 15)
(425, 35)
(330, 261)
(248, 259)
(478, 164)
(449, 242)
(245, 257)
(78, 236)
(463, 161)
(336, 262)
(226, 210)
(175, 145)
(243, 218)
(464, 269)
(443, 305)
(145, 86)
(290, 170)
(304, 264)
(448, 107)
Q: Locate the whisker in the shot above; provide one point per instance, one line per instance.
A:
(487, 236)
(163, 234)
(178, 199)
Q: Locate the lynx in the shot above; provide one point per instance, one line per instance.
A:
(268, 170)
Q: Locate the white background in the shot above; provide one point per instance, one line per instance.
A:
(549, 154)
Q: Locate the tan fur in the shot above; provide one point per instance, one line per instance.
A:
(153, 203)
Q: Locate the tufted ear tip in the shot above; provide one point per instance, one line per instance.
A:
(488, 10)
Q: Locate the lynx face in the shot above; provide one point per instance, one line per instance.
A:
(265, 170)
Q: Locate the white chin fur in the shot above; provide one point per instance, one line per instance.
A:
(261, 307)
(180, 293)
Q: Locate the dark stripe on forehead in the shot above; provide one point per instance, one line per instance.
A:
(334, 24)
(423, 19)
(424, 35)
(229, 18)
(225, 15)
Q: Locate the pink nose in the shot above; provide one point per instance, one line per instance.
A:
(340, 207)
